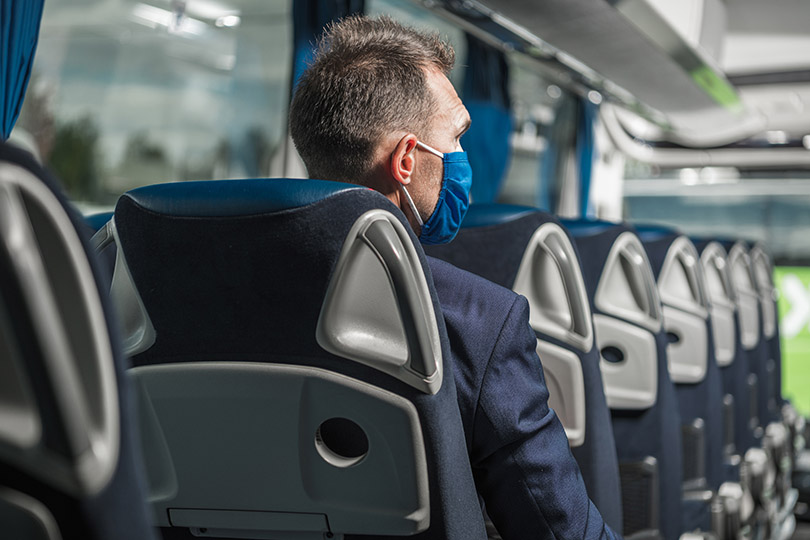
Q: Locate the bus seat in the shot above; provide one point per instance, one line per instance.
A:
(69, 466)
(778, 432)
(749, 313)
(730, 355)
(628, 329)
(692, 365)
(691, 351)
(764, 479)
(763, 276)
(528, 251)
(297, 386)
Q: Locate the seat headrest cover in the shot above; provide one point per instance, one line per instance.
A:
(588, 227)
(97, 221)
(483, 215)
(229, 198)
(649, 232)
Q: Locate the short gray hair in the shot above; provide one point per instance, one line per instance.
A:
(368, 78)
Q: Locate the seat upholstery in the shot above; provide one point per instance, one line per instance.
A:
(649, 433)
(498, 242)
(237, 272)
(69, 460)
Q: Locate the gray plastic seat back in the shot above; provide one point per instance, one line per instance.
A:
(299, 477)
(67, 460)
(549, 276)
(722, 307)
(685, 309)
(747, 295)
(627, 292)
(62, 303)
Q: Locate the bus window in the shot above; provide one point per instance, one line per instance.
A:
(130, 93)
(417, 16)
(543, 114)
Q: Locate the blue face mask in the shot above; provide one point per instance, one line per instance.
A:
(454, 198)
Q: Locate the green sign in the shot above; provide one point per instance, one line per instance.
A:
(793, 283)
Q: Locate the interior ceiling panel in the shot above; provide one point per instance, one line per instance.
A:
(600, 36)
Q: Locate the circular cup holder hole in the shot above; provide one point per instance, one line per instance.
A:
(612, 354)
(341, 442)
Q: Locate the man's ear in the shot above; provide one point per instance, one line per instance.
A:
(403, 160)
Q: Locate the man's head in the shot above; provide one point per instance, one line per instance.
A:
(373, 89)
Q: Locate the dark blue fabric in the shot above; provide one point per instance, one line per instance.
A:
(486, 96)
(118, 510)
(494, 252)
(704, 399)
(586, 152)
(655, 431)
(97, 221)
(19, 32)
(223, 198)
(310, 17)
(484, 215)
(255, 284)
(523, 467)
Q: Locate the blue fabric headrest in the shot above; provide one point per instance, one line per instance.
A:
(482, 215)
(229, 198)
(587, 227)
(97, 221)
(650, 232)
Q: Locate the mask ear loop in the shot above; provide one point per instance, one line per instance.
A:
(408, 196)
(430, 149)
(413, 206)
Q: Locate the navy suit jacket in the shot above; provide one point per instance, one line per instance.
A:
(524, 471)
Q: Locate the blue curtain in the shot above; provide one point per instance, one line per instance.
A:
(19, 31)
(309, 19)
(586, 153)
(486, 95)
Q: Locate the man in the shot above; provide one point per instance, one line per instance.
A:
(376, 108)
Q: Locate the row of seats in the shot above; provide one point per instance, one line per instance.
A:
(291, 379)
(682, 424)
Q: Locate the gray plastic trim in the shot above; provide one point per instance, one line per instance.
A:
(681, 283)
(85, 386)
(378, 309)
(20, 424)
(627, 287)
(633, 382)
(223, 439)
(566, 387)
(137, 330)
(763, 270)
(688, 358)
(550, 277)
(747, 296)
(722, 305)
(686, 309)
(24, 517)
